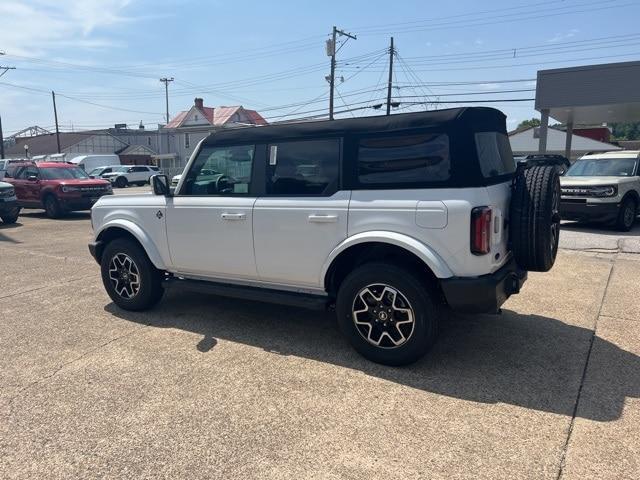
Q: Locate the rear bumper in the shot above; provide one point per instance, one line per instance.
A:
(588, 212)
(484, 294)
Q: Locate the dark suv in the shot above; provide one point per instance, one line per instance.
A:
(55, 186)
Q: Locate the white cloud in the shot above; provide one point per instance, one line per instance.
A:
(558, 37)
(31, 29)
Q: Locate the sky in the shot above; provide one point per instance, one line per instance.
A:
(104, 58)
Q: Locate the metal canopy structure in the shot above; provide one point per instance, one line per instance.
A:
(587, 95)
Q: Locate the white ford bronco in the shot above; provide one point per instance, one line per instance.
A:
(603, 187)
(388, 219)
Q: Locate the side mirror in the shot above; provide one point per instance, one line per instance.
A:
(161, 185)
(32, 178)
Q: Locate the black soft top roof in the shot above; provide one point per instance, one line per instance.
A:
(457, 122)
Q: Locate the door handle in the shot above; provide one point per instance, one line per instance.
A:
(233, 216)
(323, 218)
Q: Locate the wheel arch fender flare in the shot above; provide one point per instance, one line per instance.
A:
(139, 234)
(425, 253)
(632, 194)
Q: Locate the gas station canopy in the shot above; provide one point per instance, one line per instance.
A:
(588, 95)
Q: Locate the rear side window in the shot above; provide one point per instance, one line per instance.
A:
(404, 159)
(304, 168)
(494, 154)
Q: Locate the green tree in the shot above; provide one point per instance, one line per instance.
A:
(625, 131)
(533, 122)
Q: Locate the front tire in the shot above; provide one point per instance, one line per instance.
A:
(52, 207)
(121, 182)
(387, 313)
(131, 280)
(11, 217)
(627, 215)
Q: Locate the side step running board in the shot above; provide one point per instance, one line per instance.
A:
(281, 297)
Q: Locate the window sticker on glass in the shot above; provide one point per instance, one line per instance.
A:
(273, 155)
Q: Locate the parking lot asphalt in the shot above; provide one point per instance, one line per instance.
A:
(205, 387)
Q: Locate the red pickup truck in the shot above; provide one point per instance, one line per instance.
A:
(56, 187)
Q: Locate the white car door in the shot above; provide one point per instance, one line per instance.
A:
(209, 220)
(303, 216)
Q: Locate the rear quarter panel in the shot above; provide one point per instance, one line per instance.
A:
(439, 218)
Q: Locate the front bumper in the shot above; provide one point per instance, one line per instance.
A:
(95, 249)
(484, 294)
(80, 203)
(8, 204)
(581, 210)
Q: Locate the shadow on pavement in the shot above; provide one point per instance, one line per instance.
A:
(530, 361)
(599, 229)
(8, 226)
(70, 216)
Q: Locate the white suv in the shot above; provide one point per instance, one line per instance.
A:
(603, 187)
(130, 174)
(389, 219)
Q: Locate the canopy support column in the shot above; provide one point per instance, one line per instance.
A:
(567, 145)
(544, 127)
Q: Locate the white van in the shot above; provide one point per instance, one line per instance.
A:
(89, 162)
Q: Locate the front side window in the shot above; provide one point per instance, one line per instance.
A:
(220, 171)
(56, 173)
(404, 159)
(304, 168)
(26, 172)
(494, 154)
(140, 169)
(610, 167)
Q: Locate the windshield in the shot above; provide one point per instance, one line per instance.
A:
(54, 173)
(97, 171)
(610, 167)
(119, 169)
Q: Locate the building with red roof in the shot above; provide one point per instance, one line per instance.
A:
(185, 130)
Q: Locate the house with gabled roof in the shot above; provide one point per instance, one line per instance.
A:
(524, 141)
(188, 127)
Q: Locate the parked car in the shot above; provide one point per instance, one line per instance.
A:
(56, 187)
(98, 172)
(399, 217)
(603, 187)
(131, 174)
(561, 162)
(9, 209)
(90, 162)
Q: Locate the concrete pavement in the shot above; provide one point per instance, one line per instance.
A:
(204, 387)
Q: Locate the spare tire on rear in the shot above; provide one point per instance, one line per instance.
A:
(534, 219)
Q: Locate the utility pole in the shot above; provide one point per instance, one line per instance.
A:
(331, 51)
(166, 81)
(1, 141)
(390, 84)
(55, 114)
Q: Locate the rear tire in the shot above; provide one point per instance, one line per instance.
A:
(535, 218)
(11, 217)
(627, 215)
(387, 313)
(52, 207)
(121, 182)
(131, 280)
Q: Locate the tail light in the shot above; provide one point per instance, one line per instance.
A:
(481, 230)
